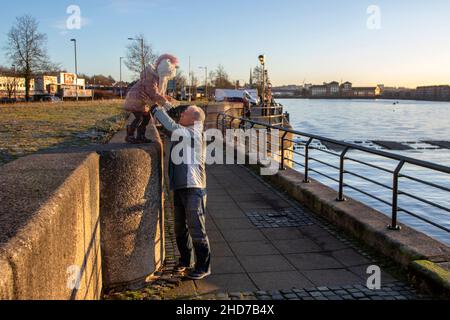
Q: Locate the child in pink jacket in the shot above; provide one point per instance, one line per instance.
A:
(150, 90)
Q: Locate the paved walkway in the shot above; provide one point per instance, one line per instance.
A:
(264, 245)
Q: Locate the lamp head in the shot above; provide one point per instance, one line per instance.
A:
(262, 59)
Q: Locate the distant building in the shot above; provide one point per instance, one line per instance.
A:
(318, 91)
(438, 93)
(364, 92)
(64, 85)
(14, 87)
(333, 89)
(346, 89)
(327, 90)
(397, 93)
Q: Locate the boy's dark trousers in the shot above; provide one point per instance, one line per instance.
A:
(190, 228)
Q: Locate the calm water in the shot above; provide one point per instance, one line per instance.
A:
(360, 121)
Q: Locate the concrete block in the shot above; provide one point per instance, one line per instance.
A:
(48, 223)
(131, 214)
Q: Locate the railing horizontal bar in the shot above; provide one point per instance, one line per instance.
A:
(409, 195)
(369, 195)
(381, 153)
(324, 175)
(425, 182)
(370, 165)
(424, 219)
(299, 164)
(298, 153)
(324, 163)
(369, 180)
(325, 151)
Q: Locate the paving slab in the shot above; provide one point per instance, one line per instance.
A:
(283, 279)
(253, 248)
(350, 258)
(225, 283)
(297, 246)
(269, 263)
(337, 277)
(314, 261)
(236, 223)
(226, 265)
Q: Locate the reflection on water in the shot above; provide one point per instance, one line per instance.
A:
(363, 120)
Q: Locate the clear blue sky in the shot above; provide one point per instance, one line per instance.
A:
(316, 40)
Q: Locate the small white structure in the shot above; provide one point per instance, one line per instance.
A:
(229, 94)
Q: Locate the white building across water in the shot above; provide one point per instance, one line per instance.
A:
(64, 85)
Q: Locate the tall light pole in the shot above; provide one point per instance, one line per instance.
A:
(142, 52)
(262, 60)
(190, 82)
(15, 85)
(76, 66)
(120, 82)
(206, 81)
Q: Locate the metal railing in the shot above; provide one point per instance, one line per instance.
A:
(226, 121)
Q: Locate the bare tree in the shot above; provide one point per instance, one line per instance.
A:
(27, 50)
(220, 78)
(134, 55)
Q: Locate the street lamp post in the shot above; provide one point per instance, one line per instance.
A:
(76, 66)
(120, 82)
(206, 81)
(262, 60)
(142, 52)
(190, 82)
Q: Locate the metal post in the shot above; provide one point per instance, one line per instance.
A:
(206, 83)
(341, 175)
(15, 84)
(121, 93)
(394, 226)
(190, 82)
(283, 151)
(93, 90)
(307, 161)
(76, 66)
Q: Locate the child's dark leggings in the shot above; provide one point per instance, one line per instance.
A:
(142, 120)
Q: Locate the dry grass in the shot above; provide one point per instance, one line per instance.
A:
(28, 128)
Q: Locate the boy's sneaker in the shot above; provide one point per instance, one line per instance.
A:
(181, 268)
(198, 275)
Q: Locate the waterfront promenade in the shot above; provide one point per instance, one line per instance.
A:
(266, 246)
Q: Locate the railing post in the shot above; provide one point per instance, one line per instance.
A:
(307, 160)
(341, 175)
(282, 151)
(223, 126)
(394, 226)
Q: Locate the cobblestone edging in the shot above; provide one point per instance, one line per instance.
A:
(393, 291)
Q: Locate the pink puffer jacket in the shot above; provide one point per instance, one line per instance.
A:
(149, 83)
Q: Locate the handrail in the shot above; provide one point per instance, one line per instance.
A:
(381, 153)
(396, 173)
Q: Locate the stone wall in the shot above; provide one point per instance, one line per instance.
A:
(94, 216)
(49, 228)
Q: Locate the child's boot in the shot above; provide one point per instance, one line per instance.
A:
(130, 135)
(141, 136)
